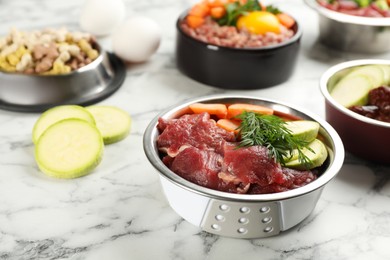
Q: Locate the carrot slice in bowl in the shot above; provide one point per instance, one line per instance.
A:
(229, 125)
(220, 110)
(236, 109)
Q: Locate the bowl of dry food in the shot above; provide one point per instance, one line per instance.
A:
(242, 167)
(357, 103)
(50, 67)
(354, 25)
(237, 44)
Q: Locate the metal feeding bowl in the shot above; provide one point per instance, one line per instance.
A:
(236, 68)
(242, 215)
(86, 85)
(362, 136)
(352, 33)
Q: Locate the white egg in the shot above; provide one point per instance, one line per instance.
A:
(100, 17)
(137, 39)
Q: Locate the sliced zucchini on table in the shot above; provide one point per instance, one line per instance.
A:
(59, 113)
(70, 148)
(112, 122)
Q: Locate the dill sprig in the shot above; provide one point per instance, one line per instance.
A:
(235, 9)
(271, 131)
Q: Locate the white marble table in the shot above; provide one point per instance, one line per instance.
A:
(119, 210)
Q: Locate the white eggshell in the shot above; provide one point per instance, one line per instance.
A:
(101, 17)
(136, 39)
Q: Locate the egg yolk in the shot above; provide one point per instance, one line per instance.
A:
(259, 22)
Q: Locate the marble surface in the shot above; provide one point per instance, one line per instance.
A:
(119, 211)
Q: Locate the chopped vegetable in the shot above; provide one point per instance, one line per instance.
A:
(363, 3)
(217, 12)
(285, 20)
(229, 125)
(220, 110)
(216, 3)
(237, 109)
(69, 139)
(315, 151)
(200, 10)
(194, 21)
(55, 114)
(303, 129)
(69, 149)
(112, 122)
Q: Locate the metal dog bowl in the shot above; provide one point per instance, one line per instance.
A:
(242, 215)
(87, 85)
(352, 33)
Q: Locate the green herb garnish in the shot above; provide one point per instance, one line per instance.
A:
(270, 131)
(272, 9)
(235, 10)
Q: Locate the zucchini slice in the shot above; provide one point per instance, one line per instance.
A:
(55, 114)
(70, 148)
(113, 123)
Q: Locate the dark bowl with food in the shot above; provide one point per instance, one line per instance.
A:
(233, 208)
(223, 61)
(357, 104)
(353, 31)
(37, 77)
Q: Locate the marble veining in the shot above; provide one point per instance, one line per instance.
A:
(119, 211)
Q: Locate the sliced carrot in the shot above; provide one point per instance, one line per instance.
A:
(220, 110)
(286, 116)
(201, 10)
(236, 109)
(217, 12)
(216, 3)
(229, 125)
(194, 21)
(286, 20)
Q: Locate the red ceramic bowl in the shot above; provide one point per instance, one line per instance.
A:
(362, 136)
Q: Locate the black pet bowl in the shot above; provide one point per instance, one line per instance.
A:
(236, 68)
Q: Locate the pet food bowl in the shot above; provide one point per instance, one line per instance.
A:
(243, 215)
(86, 85)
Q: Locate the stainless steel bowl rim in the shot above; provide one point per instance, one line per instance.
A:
(345, 65)
(296, 37)
(345, 18)
(150, 151)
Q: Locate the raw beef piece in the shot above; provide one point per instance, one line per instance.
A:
(162, 124)
(252, 165)
(378, 106)
(297, 178)
(293, 179)
(203, 167)
(273, 188)
(196, 130)
(198, 166)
